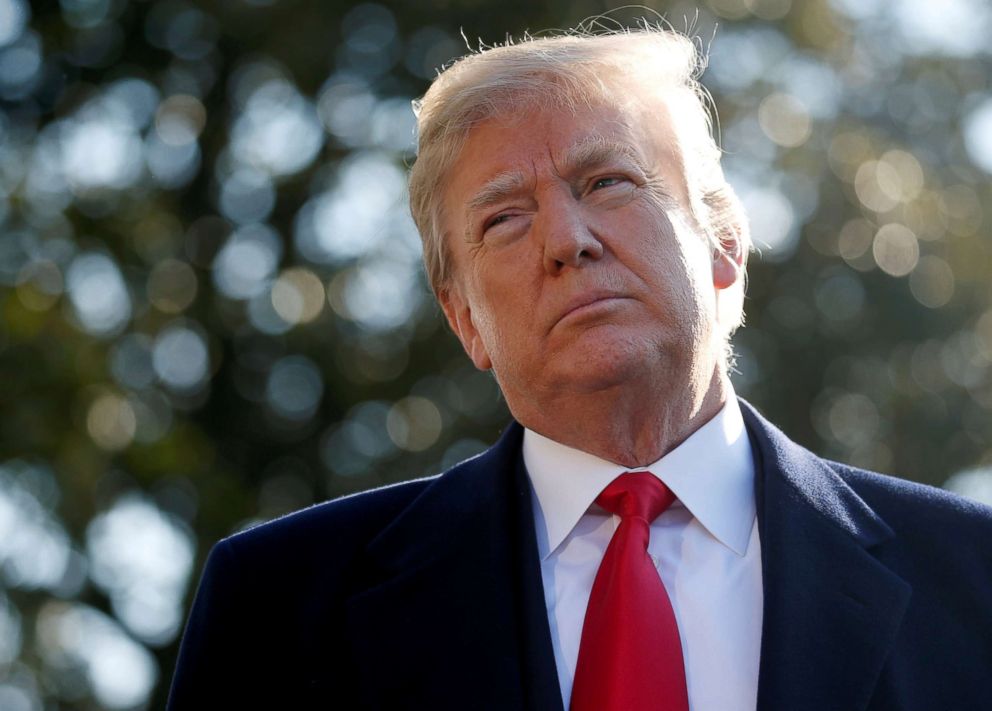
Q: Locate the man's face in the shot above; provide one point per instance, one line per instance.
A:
(577, 266)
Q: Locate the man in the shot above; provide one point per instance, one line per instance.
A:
(637, 539)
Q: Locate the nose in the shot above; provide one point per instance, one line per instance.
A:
(568, 240)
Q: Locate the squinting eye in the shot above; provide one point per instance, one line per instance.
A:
(605, 182)
(496, 220)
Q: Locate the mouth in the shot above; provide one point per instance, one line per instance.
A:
(589, 305)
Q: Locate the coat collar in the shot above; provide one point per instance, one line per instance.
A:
(831, 609)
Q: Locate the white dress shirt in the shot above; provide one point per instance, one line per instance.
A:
(705, 547)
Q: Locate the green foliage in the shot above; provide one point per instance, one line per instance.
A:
(212, 309)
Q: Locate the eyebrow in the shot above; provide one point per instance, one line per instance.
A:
(584, 155)
(597, 151)
(497, 189)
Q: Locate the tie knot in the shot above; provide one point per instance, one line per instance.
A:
(639, 494)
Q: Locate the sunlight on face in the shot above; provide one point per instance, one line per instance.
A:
(578, 265)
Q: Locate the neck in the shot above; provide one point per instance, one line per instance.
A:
(626, 427)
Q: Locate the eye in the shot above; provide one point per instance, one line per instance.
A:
(496, 220)
(606, 182)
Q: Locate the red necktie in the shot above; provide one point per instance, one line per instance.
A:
(630, 656)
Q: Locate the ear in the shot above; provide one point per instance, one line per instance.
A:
(459, 315)
(728, 260)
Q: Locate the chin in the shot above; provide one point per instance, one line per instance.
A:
(606, 365)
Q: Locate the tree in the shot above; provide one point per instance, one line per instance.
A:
(213, 311)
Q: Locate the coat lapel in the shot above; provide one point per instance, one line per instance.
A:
(451, 610)
(451, 615)
(831, 609)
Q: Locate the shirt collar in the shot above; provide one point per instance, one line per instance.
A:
(711, 473)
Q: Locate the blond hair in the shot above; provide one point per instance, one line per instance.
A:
(565, 72)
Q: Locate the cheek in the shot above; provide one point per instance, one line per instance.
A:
(494, 315)
(678, 273)
(485, 324)
(694, 255)
(664, 245)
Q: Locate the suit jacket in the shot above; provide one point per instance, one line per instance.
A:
(428, 595)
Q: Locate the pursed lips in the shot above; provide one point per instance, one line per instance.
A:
(584, 300)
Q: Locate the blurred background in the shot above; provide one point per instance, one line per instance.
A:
(212, 310)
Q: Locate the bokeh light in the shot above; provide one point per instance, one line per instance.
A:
(120, 672)
(414, 423)
(973, 483)
(98, 147)
(34, 546)
(365, 210)
(378, 295)
(784, 119)
(350, 447)
(978, 134)
(10, 631)
(143, 560)
(14, 16)
(298, 295)
(20, 66)
(896, 249)
(294, 388)
(111, 422)
(180, 358)
(39, 285)
(213, 308)
(247, 261)
(100, 299)
(172, 286)
(278, 131)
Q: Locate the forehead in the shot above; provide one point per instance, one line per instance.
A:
(507, 154)
(543, 140)
(542, 134)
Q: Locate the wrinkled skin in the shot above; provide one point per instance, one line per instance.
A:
(583, 281)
